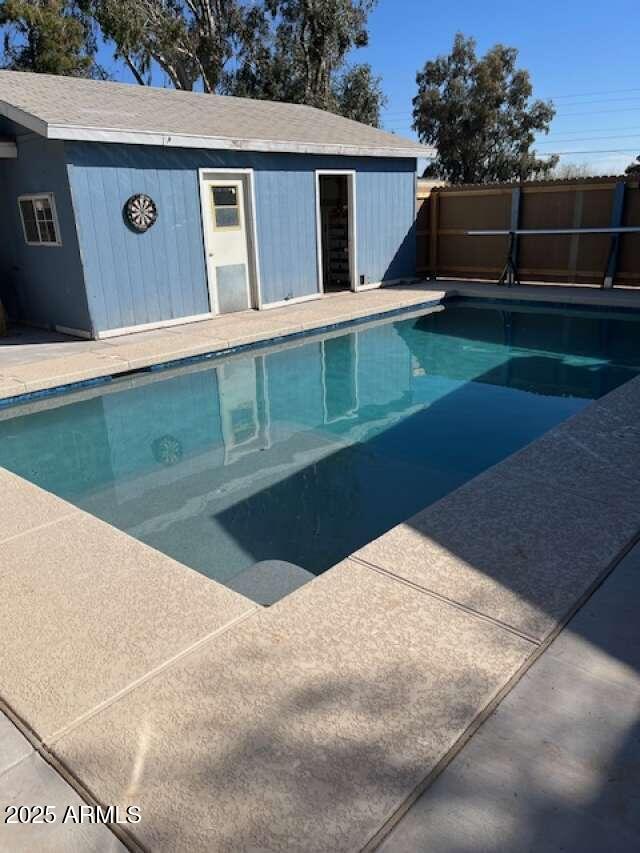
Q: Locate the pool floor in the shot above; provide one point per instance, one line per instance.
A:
(306, 452)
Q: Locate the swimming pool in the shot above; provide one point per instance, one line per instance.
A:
(306, 451)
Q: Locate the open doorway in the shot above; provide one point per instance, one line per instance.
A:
(336, 230)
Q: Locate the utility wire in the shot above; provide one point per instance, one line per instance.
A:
(591, 94)
(390, 113)
(592, 151)
(574, 104)
(562, 116)
(554, 140)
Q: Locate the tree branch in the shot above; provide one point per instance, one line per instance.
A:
(131, 66)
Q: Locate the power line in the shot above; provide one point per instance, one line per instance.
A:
(555, 140)
(562, 115)
(588, 151)
(575, 95)
(596, 130)
(598, 112)
(598, 101)
(556, 117)
(571, 135)
(593, 151)
(591, 94)
(401, 114)
(551, 139)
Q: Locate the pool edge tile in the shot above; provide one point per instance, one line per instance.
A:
(204, 347)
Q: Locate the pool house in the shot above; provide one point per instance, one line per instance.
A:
(127, 208)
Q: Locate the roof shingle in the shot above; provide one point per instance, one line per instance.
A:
(76, 108)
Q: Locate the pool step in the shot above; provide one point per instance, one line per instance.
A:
(269, 580)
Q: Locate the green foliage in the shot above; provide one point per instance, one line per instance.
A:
(48, 36)
(571, 171)
(286, 50)
(191, 40)
(358, 95)
(296, 51)
(633, 168)
(480, 116)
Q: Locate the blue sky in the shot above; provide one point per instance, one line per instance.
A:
(584, 55)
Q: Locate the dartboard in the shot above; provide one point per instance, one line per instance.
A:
(167, 450)
(141, 212)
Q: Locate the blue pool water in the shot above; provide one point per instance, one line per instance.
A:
(306, 452)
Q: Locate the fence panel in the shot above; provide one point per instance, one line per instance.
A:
(445, 214)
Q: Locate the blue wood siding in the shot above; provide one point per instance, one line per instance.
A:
(386, 224)
(133, 279)
(42, 285)
(286, 226)
(160, 275)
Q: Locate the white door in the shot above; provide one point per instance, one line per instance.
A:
(225, 225)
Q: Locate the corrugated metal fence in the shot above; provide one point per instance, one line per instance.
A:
(445, 214)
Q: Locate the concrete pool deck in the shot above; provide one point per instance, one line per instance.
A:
(316, 723)
(33, 361)
(556, 766)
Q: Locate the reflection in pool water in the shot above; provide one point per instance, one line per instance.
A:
(307, 452)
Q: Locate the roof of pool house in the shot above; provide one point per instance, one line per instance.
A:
(72, 108)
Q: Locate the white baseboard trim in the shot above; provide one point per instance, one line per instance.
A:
(373, 285)
(281, 304)
(75, 333)
(147, 327)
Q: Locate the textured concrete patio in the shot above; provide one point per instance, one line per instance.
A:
(557, 767)
(313, 724)
(26, 779)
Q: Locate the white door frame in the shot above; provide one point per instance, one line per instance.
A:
(353, 253)
(211, 173)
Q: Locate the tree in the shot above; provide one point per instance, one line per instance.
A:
(568, 171)
(633, 168)
(296, 51)
(284, 50)
(191, 40)
(49, 37)
(358, 95)
(479, 115)
(318, 34)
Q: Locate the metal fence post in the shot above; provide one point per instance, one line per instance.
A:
(433, 233)
(516, 196)
(616, 221)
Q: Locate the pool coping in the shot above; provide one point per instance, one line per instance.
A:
(437, 293)
(616, 406)
(215, 349)
(216, 354)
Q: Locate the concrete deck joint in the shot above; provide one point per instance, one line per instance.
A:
(393, 820)
(148, 676)
(445, 599)
(37, 528)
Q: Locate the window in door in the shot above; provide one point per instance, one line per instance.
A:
(226, 208)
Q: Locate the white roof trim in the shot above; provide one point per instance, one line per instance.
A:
(177, 140)
(23, 118)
